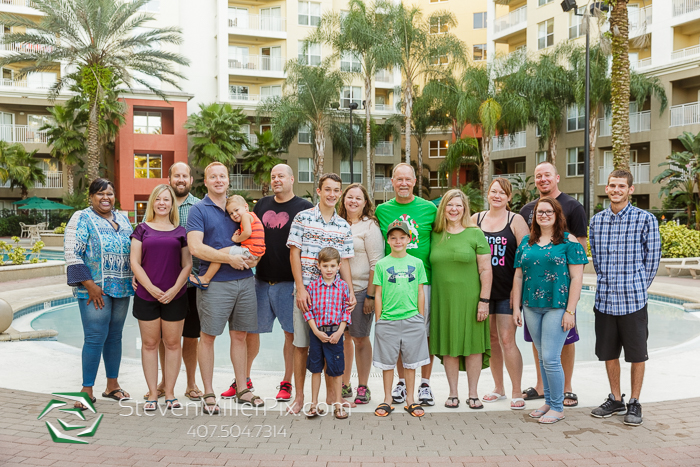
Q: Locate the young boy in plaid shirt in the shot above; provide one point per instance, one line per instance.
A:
(328, 316)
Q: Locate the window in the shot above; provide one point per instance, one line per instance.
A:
(545, 34)
(438, 148)
(437, 179)
(140, 208)
(519, 167)
(543, 2)
(148, 123)
(270, 91)
(238, 17)
(152, 6)
(356, 171)
(440, 60)
(41, 80)
(148, 166)
(350, 62)
(306, 172)
(351, 94)
(578, 197)
(574, 162)
(540, 156)
(304, 135)
(238, 92)
(309, 13)
(576, 24)
(480, 20)
(575, 118)
(479, 52)
(34, 122)
(312, 54)
(438, 25)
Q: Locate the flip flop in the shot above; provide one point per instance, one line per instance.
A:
(472, 403)
(113, 395)
(531, 394)
(173, 404)
(411, 409)
(81, 407)
(515, 407)
(195, 397)
(572, 397)
(197, 284)
(147, 407)
(385, 407)
(535, 412)
(161, 393)
(312, 412)
(452, 399)
(550, 419)
(340, 410)
(496, 397)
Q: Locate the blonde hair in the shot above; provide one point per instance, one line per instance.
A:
(400, 165)
(174, 216)
(441, 220)
(237, 200)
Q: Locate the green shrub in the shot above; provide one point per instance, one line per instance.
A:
(677, 241)
(9, 220)
(61, 229)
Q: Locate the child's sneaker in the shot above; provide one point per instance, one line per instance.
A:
(425, 395)
(230, 393)
(633, 416)
(398, 395)
(285, 394)
(364, 395)
(346, 391)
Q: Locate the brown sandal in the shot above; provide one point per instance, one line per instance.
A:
(340, 417)
(252, 402)
(209, 407)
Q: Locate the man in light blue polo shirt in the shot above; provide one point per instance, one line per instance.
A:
(230, 297)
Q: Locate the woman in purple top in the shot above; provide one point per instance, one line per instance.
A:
(161, 263)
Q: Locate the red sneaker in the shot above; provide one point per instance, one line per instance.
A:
(285, 394)
(230, 393)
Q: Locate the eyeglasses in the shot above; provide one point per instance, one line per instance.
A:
(545, 213)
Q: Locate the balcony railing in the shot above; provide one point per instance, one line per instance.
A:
(680, 54)
(21, 134)
(685, 114)
(24, 3)
(639, 121)
(256, 62)
(681, 7)
(22, 84)
(512, 19)
(24, 47)
(641, 63)
(383, 107)
(639, 22)
(244, 182)
(252, 140)
(384, 76)
(259, 23)
(384, 148)
(640, 173)
(53, 180)
(505, 142)
(515, 179)
(237, 96)
(383, 184)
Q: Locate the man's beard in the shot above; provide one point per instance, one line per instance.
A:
(181, 190)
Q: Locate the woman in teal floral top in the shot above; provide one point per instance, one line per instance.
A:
(548, 278)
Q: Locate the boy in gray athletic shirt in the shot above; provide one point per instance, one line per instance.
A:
(399, 308)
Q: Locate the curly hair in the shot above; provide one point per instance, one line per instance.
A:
(367, 211)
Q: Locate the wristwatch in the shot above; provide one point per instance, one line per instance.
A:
(572, 313)
(485, 300)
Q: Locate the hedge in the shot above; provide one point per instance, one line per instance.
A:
(9, 220)
(677, 241)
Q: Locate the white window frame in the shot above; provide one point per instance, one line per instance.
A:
(241, 92)
(575, 118)
(438, 25)
(440, 60)
(540, 156)
(312, 55)
(304, 134)
(576, 23)
(440, 150)
(270, 91)
(483, 20)
(309, 13)
(149, 157)
(350, 62)
(577, 165)
(483, 52)
(149, 127)
(545, 39)
(345, 171)
(543, 2)
(238, 17)
(305, 172)
(350, 94)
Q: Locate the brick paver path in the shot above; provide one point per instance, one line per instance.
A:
(670, 436)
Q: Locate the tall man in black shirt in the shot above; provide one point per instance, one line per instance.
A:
(547, 181)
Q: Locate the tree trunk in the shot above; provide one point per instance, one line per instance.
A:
(408, 95)
(592, 139)
(93, 169)
(265, 188)
(419, 143)
(552, 149)
(369, 171)
(485, 165)
(320, 145)
(69, 176)
(620, 85)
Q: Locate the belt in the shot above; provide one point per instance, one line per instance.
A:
(272, 282)
(332, 328)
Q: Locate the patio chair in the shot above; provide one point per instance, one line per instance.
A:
(25, 230)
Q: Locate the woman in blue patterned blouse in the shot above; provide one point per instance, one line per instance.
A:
(548, 278)
(97, 248)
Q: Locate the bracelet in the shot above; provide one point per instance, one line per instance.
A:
(371, 297)
(485, 300)
(572, 313)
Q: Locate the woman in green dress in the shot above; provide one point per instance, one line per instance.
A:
(459, 328)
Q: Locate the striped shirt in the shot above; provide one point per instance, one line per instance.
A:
(256, 242)
(328, 302)
(311, 233)
(626, 250)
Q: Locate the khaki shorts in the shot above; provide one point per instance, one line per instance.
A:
(301, 326)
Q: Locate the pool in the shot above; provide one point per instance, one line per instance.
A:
(44, 254)
(669, 325)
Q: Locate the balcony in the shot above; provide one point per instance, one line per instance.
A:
(384, 149)
(639, 121)
(22, 84)
(685, 114)
(24, 47)
(21, 134)
(384, 79)
(247, 98)
(639, 24)
(515, 179)
(383, 184)
(244, 182)
(514, 21)
(384, 108)
(53, 180)
(257, 65)
(640, 64)
(21, 3)
(259, 26)
(640, 172)
(505, 142)
(688, 52)
(252, 140)
(682, 7)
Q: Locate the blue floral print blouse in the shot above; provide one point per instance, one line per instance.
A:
(546, 271)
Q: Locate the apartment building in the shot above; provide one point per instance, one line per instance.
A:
(663, 42)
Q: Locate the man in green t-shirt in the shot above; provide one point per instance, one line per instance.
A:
(419, 214)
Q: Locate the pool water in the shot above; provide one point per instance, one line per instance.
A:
(44, 254)
(669, 325)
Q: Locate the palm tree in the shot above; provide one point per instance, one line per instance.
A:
(428, 113)
(363, 33)
(216, 134)
(620, 84)
(309, 93)
(261, 158)
(422, 54)
(66, 135)
(682, 175)
(21, 168)
(101, 41)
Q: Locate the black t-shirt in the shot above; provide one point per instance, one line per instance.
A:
(576, 220)
(277, 219)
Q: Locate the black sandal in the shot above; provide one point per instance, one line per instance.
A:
(452, 399)
(80, 406)
(411, 409)
(113, 395)
(474, 406)
(572, 397)
(531, 394)
(385, 407)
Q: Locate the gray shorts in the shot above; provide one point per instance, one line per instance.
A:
(301, 326)
(405, 337)
(240, 250)
(361, 323)
(233, 302)
(426, 308)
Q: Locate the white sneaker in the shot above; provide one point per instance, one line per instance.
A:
(399, 393)
(425, 395)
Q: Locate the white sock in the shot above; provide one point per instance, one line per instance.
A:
(402, 381)
(425, 380)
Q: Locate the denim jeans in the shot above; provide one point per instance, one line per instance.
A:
(103, 336)
(549, 337)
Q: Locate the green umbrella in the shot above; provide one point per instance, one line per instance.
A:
(43, 205)
(28, 200)
(436, 201)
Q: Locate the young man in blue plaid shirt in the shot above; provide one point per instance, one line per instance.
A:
(626, 250)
